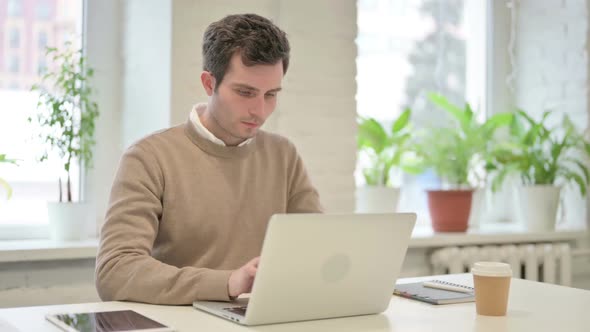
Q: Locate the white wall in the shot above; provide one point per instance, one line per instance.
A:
(318, 109)
(104, 55)
(146, 67)
(51, 282)
(551, 58)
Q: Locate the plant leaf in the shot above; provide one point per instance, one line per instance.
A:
(7, 187)
(578, 179)
(582, 167)
(453, 110)
(371, 135)
(402, 121)
(498, 120)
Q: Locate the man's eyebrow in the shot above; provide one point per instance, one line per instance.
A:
(251, 88)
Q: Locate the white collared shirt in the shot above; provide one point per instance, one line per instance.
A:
(203, 131)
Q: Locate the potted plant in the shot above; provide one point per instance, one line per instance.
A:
(3, 183)
(545, 159)
(457, 154)
(66, 118)
(383, 151)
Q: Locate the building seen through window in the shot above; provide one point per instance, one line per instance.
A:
(28, 27)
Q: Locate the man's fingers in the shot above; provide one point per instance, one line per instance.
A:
(251, 267)
(255, 261)
(252, 270)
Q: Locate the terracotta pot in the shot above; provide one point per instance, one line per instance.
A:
(449, 209)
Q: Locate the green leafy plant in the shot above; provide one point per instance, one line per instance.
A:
(65, 112)
(384, 148)
(3, 183)
(543, 155)
(457, 152)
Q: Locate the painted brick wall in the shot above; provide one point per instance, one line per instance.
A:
(551, 71)
(551, 56)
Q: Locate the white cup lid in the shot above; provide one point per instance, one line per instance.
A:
(492, 269)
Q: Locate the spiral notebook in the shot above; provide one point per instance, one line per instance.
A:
(417, 291)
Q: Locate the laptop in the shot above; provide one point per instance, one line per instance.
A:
(316, 266)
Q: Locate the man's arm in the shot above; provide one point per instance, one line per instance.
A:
(125, 269)
(303, 197)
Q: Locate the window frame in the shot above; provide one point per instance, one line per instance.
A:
(15, 230)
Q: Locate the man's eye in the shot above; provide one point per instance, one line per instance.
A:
(245, 93)
(271, 95)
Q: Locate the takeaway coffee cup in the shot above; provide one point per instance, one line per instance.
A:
(492, 286)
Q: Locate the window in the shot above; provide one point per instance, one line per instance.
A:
(14, 38)
(15, 8)
(41, 66)
(42, 41)
(13, 65)
(405, 50)
(33, 183)
(43, 10)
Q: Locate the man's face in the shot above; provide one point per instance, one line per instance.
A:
(243, 101)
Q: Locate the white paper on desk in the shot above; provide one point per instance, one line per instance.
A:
(5, 327)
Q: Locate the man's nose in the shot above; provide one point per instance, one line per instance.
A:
(257, 107)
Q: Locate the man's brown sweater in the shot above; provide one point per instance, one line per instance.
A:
(184, 212)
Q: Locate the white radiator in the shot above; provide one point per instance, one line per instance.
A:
(546, 262)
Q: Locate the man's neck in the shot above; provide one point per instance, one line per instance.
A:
(208, 121)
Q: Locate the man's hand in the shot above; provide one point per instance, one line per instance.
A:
(241, 280)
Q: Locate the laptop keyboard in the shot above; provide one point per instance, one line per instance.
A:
(237, 310)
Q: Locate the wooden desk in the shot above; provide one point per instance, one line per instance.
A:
(532, 307)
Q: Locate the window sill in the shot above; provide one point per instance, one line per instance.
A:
(46, 250)
(499, 233)
(422, 237)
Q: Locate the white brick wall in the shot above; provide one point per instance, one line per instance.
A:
(316, 108)
(551, 57)
(552, 70)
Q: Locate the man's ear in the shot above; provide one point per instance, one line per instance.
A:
(208, 81)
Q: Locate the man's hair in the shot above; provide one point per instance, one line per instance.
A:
(256, 38)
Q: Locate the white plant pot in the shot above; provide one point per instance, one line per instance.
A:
(536, 206)
(374, 199)
(68, 221)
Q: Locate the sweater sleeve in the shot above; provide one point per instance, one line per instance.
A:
(303, 197)
(125, 269)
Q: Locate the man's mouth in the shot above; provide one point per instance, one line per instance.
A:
(250, 124)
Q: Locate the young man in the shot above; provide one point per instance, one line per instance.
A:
(190, 204)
